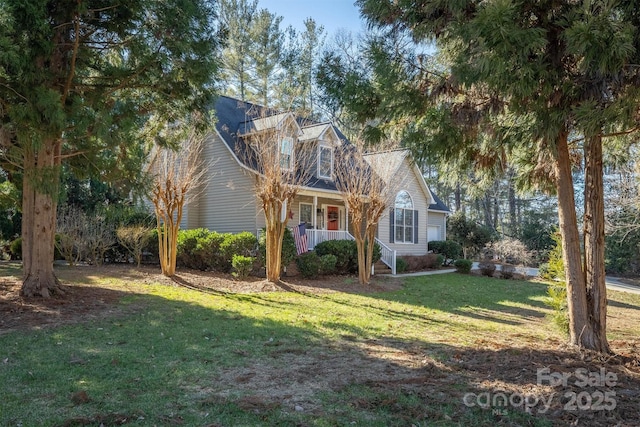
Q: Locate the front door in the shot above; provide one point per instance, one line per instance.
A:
(333, 216)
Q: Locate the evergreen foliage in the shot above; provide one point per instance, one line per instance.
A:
(91, 87)
(346, 254)
(463, 265)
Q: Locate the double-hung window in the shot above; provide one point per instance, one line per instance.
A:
(404, 222)
(286, 153)
(325, 162)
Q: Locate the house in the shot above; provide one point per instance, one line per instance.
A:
(228, 202)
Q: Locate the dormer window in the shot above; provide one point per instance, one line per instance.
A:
(325, 162)
(286, 153)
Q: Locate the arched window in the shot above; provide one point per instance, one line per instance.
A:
(405, 219)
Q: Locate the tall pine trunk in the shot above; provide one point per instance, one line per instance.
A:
(594, 245)
(39, 193)
(580, 329)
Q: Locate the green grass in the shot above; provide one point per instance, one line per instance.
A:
(163, 361)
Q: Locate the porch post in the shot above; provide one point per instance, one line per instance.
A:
(315, 213)
(346, 218)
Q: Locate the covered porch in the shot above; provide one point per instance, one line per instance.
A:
(327, 218)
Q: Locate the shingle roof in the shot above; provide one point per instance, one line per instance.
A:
(438, 205)
(236, 118)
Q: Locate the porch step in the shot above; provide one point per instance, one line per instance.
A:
(381, 268)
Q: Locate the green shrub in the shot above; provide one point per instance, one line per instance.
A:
(487, 268)
(151, 252)
(342, 250)
(328, 264)
(188, 256)
(463, 265)
(507, 271)
(439, 261)
(208, 251)
(543, 270)
(309, 265)
(346, 253)
(242, 265)
(243, 243)
(16, 248)
(449, 249)
(557, 300)
(401, 265)
(555, 267)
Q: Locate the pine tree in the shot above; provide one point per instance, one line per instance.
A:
(542, 71)
(83, 79)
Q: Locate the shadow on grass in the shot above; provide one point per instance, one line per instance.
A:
(620, 304)
(217, 360)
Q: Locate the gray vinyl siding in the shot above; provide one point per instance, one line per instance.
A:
(227, 203)
(420, 203)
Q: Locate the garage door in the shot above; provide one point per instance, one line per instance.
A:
(433, 233)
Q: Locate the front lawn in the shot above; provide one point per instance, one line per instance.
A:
(133, 350)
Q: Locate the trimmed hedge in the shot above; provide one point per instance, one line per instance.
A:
(346, 253)
(202, 249)
(463, 265)
(448, 248)
(308, 265)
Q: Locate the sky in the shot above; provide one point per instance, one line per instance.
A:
(331, 14)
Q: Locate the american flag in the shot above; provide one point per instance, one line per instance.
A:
(300, 236)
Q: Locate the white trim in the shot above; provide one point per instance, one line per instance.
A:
(341, 217)
(325, 146)
(438, 210)
(292, 154)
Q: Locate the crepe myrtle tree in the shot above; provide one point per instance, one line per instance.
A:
(368, 183)
(282, 165)
(177, 180)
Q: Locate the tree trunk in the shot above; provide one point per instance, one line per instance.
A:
(486, 208)
(594, 245)
(362, 260)
(275, 234)
(371, 242)
(580, 330)
(39, 192)
(513, 215)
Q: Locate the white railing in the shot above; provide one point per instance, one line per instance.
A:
(318, 236)
(388, 256)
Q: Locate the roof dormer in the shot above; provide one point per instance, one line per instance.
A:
(282, 122)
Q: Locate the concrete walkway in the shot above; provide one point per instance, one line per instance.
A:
(616, 285)
(420, 273)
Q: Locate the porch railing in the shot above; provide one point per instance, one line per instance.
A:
(388, 256)
(318, 236)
